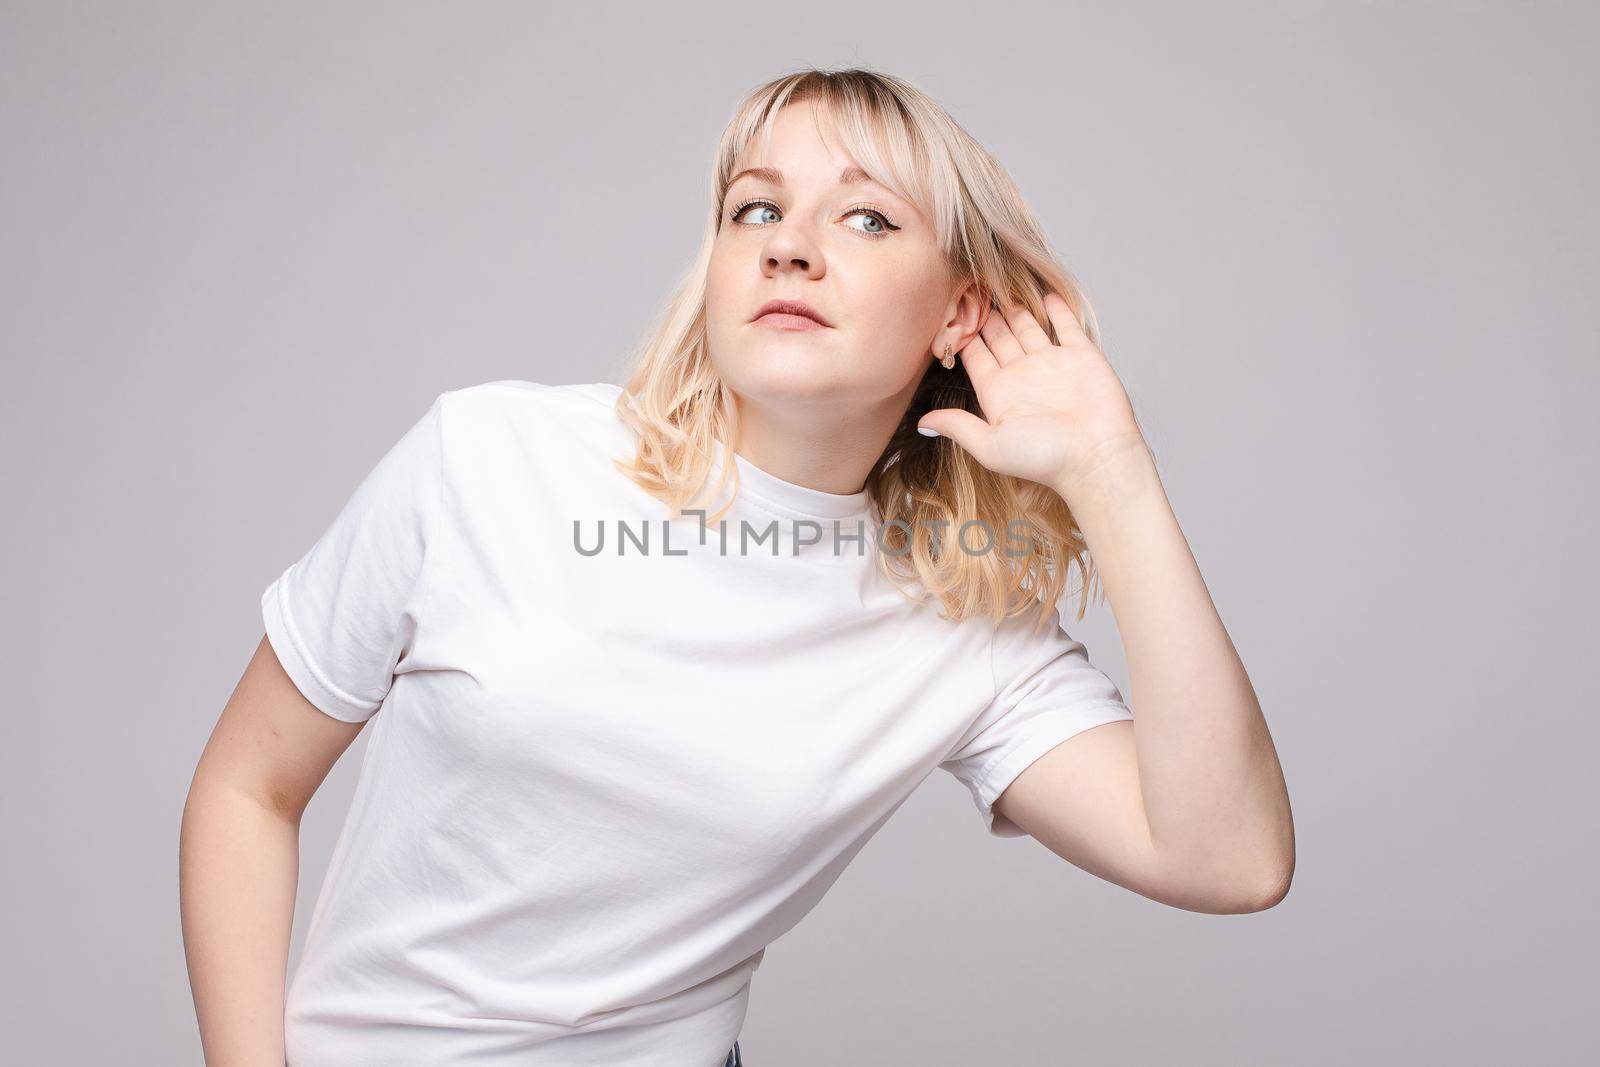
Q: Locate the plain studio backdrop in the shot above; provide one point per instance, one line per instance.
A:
(1345, 260)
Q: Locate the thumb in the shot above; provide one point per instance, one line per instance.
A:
(962, 427)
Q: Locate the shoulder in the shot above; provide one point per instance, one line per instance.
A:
(500, 437)
(516, 409)
(518, 395)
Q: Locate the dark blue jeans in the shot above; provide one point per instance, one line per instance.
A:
(734, 1059)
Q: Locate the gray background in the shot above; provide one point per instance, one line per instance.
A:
(1345, 257)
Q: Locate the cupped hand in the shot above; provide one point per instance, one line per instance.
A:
(1054, 413)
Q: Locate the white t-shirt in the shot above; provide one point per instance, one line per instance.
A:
(598, 785)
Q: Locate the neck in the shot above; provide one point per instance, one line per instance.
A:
(821, 446)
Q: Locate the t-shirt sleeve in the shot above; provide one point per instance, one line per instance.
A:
(1046, 691)
(342, 617)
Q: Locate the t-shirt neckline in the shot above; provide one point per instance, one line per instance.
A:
(802, 500)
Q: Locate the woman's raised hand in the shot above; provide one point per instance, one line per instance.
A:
(1055, 414)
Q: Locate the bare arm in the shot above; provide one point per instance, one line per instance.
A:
(1187, 803)
(238, 858)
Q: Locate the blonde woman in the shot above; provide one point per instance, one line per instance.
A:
(647, 665)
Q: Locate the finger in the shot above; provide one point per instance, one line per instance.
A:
(1001, 341)
(962, 427)
(978, 360)
(1026, 328)
(1069, 331)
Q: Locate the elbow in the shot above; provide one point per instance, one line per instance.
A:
(1243, 889)
(1270, 872)
(1250, 877)
(1267, 894)
(1261, 891)
(1242, 885)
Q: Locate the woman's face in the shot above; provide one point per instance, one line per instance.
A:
(865, 260)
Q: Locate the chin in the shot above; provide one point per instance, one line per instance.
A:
(768, 374)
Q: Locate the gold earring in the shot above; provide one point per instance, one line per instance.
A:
(947, 361)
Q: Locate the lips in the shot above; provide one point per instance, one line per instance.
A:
(791, 307)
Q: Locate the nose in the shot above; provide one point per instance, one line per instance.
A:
(790, 248)
(799, 262)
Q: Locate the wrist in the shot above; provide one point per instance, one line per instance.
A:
(1108, 470)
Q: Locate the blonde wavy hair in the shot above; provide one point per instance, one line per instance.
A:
(677, 405)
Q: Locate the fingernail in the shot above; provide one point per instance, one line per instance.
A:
(927, 431)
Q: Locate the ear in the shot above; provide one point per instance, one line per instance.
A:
(967, 312)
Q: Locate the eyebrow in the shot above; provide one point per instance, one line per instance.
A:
(851, 175)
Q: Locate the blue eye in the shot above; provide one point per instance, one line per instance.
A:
(866, 211)
(734, 215)
(874, 216)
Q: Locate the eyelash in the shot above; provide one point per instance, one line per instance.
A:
(733, 216)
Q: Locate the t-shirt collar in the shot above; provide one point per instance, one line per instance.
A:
(801, 500)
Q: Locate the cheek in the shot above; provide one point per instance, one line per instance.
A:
(724, 299)
(716, 283)
(729, 287)
(899, 310)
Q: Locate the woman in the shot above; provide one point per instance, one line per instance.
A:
(654, 662)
